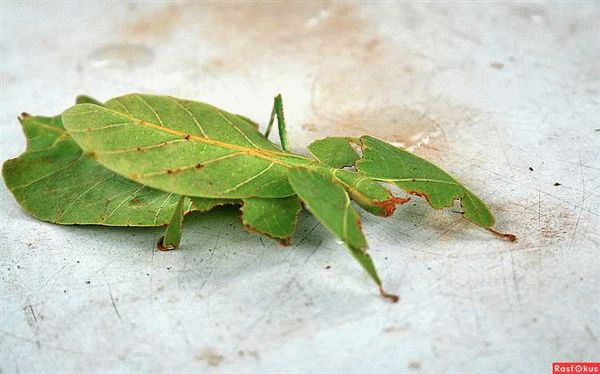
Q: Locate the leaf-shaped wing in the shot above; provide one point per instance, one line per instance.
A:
(336, 152)
(330, 204)
(54, 181)
(275, 218)
(384, 162)
(185, 147)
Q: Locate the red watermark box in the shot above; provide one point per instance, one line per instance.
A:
(575, 367)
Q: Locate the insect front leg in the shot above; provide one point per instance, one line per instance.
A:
(278, 111)
(172, 236)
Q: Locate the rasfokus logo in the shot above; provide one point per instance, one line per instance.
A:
(575, 367)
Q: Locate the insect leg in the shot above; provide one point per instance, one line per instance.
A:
(278, 111)
(172, 236)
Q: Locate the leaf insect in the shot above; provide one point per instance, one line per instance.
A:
(145, 160)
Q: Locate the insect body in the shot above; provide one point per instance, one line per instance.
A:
(144, 160)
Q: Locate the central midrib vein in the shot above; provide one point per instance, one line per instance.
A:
(258, 152)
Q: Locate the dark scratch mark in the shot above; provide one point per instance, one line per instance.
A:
(505, 284)
(591, 333)
(582, 205)
(515, 278)
(45, 345)
(112, 300)
(574, 205)
(539, 212)
(503, 148)
(307, 235)
(32, 312)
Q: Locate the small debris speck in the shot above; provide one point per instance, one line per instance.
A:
(530, 168)
(557, 184)
(328, 267)
(88, 282)
(414, 365)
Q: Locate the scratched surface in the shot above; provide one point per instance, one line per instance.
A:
(505, 96)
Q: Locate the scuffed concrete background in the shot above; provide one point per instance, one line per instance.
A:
(506, 96)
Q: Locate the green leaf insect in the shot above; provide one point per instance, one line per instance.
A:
(144, 160)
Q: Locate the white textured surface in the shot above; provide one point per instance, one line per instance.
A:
(486, 91)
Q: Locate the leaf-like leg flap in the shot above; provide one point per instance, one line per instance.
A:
(336, 152)
(84, 99)
(329, 202)
(278, 111)
(275, 218)
(172, 236)
(369, 194)
(384, 162)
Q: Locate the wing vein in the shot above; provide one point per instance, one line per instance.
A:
(249, 179)
(122, 202)
(72, 203)
(191, 116)
(418, 180)
(141, 148)
(161, 207)
(236, 128)
(118, 101)
(187, 167)
(151, 109)
(109, 126)
(48, 175)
